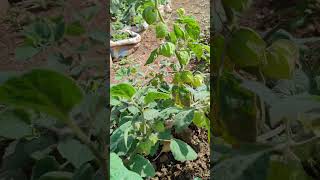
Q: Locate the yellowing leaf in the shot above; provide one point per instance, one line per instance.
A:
(281, 58)
(246, 48)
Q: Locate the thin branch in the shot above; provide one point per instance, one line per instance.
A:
(271, 134)
(86, 140)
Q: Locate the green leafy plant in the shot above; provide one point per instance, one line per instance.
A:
(53, 122)
(146, 115)
(131, 12)
(120, 36)
(182, 43)
(260, 94)
(49, 33)
(34, 107)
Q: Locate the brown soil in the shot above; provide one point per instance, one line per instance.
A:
(263, 15)
(18, 16)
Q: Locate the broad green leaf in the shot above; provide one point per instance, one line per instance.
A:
(123, 90)
(43, 166)
(150, 114)
(246, 48)
(165, 135)
(183, 57)
(172, 37)
(181, 96)
(153, 138)
(186, 77)
(167, 49)
(161, 30)
(200, 119)
(193, 29)
(150, 14)
(183, 119)
(281, 58)
(241, 167)
(159, 126)
(145, 146)
(75, 29)
(177, 79)
(85, 172)
(238, 110)
(198, 80)
(114, 101)
(182, 151)
(197, 50)
(118, 142)
(168, 112)
(116, 161)
(57, 175)
(42, 90)
(178, 31)
(202, 95)
(153, 56)
(237, 5)
(75, 152)
(142, 166)
(119, 171)
(133, 109)
(25, 52)
(13, 126)
(152, 96)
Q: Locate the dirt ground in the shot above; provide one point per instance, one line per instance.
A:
(18, 16)
(263, 16)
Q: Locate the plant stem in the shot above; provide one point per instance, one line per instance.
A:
(165, 140)
(86, 140)
(159, 13)
(262, 107)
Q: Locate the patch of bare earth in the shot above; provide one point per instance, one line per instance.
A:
(18, 15)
